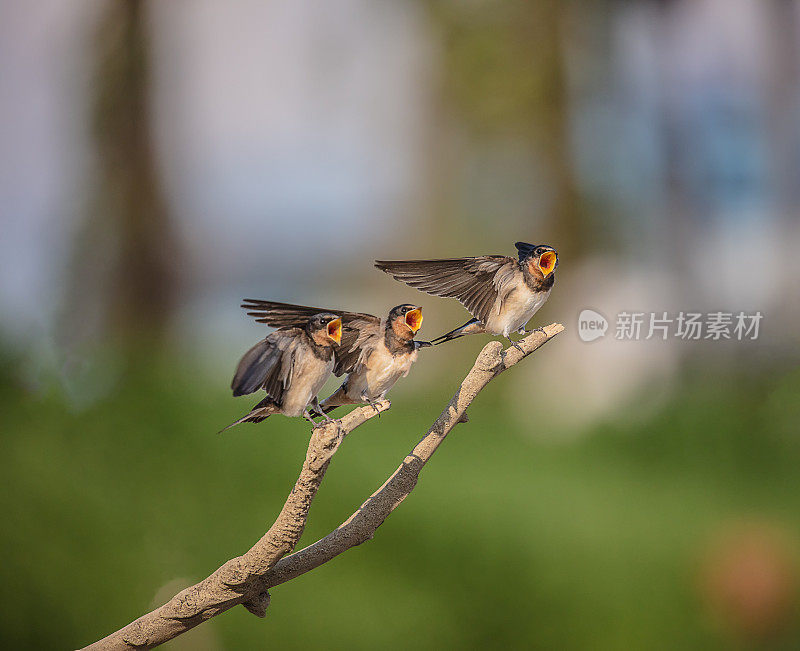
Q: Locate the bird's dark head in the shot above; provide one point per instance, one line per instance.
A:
(405, 320)
(540, 259)
(325, 329)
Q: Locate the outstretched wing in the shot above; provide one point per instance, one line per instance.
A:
(357, 327)
(475, 282)
(267, 365)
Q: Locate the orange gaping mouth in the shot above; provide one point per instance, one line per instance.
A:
(547, 262)
(335, 330)
(414, 319)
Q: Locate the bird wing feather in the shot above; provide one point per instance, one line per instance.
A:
(357, 328)
(475, 282)
(267, 365)
(358, 338)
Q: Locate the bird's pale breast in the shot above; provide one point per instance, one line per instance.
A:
(309, 374)
(383, 370)
(516, 310)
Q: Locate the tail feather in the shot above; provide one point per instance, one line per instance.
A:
(261, 411)
(466, 329)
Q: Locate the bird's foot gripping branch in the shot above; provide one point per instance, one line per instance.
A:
(246, 579)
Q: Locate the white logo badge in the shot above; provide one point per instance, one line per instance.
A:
(591, 325)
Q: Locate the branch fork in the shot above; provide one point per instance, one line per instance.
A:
(247, 579)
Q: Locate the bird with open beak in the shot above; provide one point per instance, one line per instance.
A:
(374, 353)
(500, 292)
(290, 365)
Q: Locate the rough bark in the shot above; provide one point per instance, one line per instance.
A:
(237, 581)
(247, 579)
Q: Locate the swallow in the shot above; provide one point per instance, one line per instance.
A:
(374, 353)
(291, 365)
(501, 293)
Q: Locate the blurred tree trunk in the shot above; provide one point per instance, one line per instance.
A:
(782, 102)
(126, 261)
(552, 123)
(505, 79)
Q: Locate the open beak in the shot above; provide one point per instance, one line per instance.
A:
(547, 262)
(335, 330)
(414, 319)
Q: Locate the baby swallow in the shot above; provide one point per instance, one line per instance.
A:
(291, 365)
(500, 292)
(374, 353)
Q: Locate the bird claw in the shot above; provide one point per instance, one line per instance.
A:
(319, 411)
(523, 331)
(516, 345)
(322, 423)
(372, 404)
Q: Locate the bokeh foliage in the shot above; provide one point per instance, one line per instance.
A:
(510, 540)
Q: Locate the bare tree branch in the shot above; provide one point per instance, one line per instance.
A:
(362, 524)
(236, 582)
(246, 579)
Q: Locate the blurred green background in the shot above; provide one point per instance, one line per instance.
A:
(161, 161)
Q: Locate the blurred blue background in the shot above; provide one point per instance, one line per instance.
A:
(161, 161)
